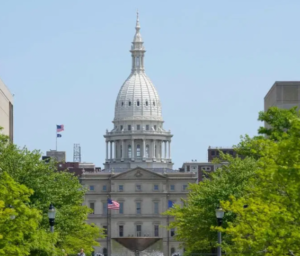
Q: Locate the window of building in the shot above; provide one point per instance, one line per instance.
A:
(104, 188)
(138, 187)
(138, 103)
(147, 127)
(92, 206)
(121, 208)
(121, 127)
(129, 127)
(129, 103)
(187, 168)
(104, 205)
(147, 151)
(156, 208)
(104, 251)
(153, 103)
(121, 188)
(138, 150)
(138, 208)
(129, 151)
(122, 103)
(155, 187)
(105, 229)
(138, 127)
(172, 231)
(156, 230)
(172, 250)
(92, 188)
(172, 187)
(138, 230)
(146, 103)
(121, 231)
(184, 187)
(154, 127)
(212, 152)
(137, 61)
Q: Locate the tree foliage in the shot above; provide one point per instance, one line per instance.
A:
(193, 221)
(60, 188)
(270, 223)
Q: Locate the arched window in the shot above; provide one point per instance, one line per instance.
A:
(122, 103)
(129, 103)
(129, 151)
(138, 150)
(153, 103)
(172, 250)
(146, 103)
(104, 251)
(137, 61)
(147, 151)
(138, 103)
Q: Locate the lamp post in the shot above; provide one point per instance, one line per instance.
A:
(51, 216)
(219, 215)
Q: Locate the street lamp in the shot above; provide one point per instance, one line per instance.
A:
(219, 215)
(51, 216)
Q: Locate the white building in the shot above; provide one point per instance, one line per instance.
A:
(6, 111)
(138, 171)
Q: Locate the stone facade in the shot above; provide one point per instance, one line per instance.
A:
(6, 111)
(143, 195)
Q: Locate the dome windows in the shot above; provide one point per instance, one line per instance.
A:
(138, 103)
(129, 103)
(153, 103)
(122, 103)
(146, 103)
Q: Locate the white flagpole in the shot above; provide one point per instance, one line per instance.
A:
(56, 139)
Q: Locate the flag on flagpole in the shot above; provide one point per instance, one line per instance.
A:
(170, 204)
(58, 135)
(112, 204)
(60, 128)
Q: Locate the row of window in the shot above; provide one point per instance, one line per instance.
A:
(138, 187)
(137, 103)
(204, 168)
(138, 127)
(139, 231)
(138, 208)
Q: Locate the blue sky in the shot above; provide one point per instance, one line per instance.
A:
(212, 63)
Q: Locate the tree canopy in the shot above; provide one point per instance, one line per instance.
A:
(49, 186)
(266, 179)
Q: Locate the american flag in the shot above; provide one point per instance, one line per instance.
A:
(60, 128)
(112, 204)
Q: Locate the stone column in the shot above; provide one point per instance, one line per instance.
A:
(106, 151)
(169, 149)
(144, 148)
(165, 143)
(132, 149)
(153, 150)
(115, 144)
(110, 157)
(122, 156)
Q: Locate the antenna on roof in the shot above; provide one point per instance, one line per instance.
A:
(77, 153)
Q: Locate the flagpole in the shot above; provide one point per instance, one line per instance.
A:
(107, 227)
(56, 141)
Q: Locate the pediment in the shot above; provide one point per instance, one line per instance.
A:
(138, 174)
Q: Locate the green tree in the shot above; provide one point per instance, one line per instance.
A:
(60, 188)
(18, 221)
(194, 220)
(270, 223)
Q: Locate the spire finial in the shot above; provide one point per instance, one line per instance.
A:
(137, 21)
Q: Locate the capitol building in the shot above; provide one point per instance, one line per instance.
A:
(138, 171)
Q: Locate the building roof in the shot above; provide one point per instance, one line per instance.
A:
(138, 98)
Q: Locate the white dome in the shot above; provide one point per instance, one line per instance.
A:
(138, 99)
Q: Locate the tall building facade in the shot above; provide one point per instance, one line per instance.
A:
(6, 111)
(138, 172)
(285, 94)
